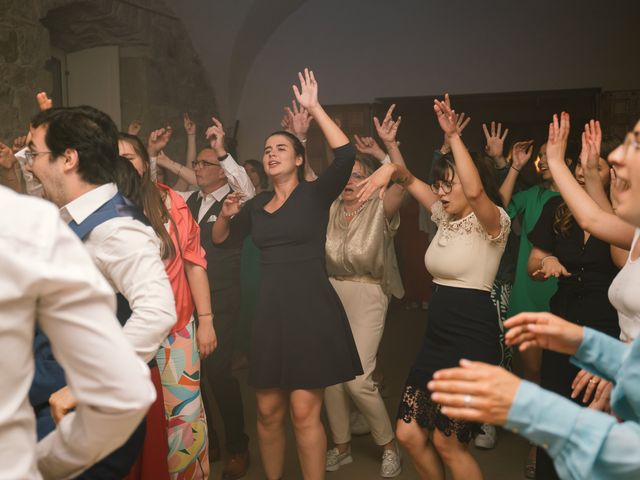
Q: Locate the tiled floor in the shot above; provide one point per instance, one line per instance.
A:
(401, 340)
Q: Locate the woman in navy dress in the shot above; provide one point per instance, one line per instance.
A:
(301, 339)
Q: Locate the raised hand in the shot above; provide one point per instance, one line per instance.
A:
(368, 146)
(495, 139)
(299, 119)
(307, 94)
(134, 127)
(286, 123)
(232, 205)
(189, 125)
(591, 141)
(215, 135)
(446, 116)
(44, 102)
(543, 330)
(19, 143)
(558, 138)
(158, 140)
(376, 182)
(461, 123)
(388, 129)
(7, 158)
(521, 154)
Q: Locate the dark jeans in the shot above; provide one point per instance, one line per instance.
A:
(218, 382)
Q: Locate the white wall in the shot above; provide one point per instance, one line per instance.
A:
(363, 49)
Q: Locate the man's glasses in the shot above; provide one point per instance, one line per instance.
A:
(442, 184)
(203, 163)
(31, 156)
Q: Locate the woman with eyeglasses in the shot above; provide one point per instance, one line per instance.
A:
(583, 443)
(362, 267)
(463, 259)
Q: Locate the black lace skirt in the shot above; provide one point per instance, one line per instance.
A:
(463, 323)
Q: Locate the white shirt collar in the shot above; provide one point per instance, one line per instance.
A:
(87, 203)
(217, 194)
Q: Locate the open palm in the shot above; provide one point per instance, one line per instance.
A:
(307, 94)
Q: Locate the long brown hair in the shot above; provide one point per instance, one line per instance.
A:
(151, 198)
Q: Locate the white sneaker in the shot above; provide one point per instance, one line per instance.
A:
(391, 463)
(335, 459)
(487, 439)
(358, 423)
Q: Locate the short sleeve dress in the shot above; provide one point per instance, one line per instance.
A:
(301, 336)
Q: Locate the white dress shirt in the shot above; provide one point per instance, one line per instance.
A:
(47, 277)
(238, 180)
(128, 255)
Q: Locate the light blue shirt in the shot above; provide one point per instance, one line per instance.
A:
(585, 443)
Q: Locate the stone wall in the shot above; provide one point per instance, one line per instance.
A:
(160, 73)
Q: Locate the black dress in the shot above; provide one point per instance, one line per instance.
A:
(301, 336)
(581, 298)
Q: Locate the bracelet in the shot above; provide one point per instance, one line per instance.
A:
(222, 158)
(515, 169)
(179, 170)
(548, 256)
(205, 314)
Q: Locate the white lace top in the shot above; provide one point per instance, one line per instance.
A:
(462, 254)
(624, 295)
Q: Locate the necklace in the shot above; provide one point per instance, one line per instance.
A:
(354, 212)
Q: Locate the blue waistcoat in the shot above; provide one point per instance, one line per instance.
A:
(49, 375)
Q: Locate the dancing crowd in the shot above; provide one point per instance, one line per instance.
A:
(122, 307)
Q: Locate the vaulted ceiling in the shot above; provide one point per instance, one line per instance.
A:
(228, 35)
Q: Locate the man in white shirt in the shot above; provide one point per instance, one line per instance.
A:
(48, 278)
(73, 152)
(217, 175)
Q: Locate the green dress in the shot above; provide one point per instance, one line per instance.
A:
(249, 282)
(529, 295)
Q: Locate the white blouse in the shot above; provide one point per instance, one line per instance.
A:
(462, 254)
(624, 295)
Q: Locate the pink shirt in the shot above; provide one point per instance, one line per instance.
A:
(185, 233)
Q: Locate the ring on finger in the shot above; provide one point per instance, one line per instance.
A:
(593, 380)
(467, 400)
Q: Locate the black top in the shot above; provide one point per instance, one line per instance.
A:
(297, 231)
(301, 335)
(589, 263)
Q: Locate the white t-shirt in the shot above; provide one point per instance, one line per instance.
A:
(462, 254)
(624, 295)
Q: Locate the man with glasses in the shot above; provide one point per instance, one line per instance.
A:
(217, 175)
(73, 152)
